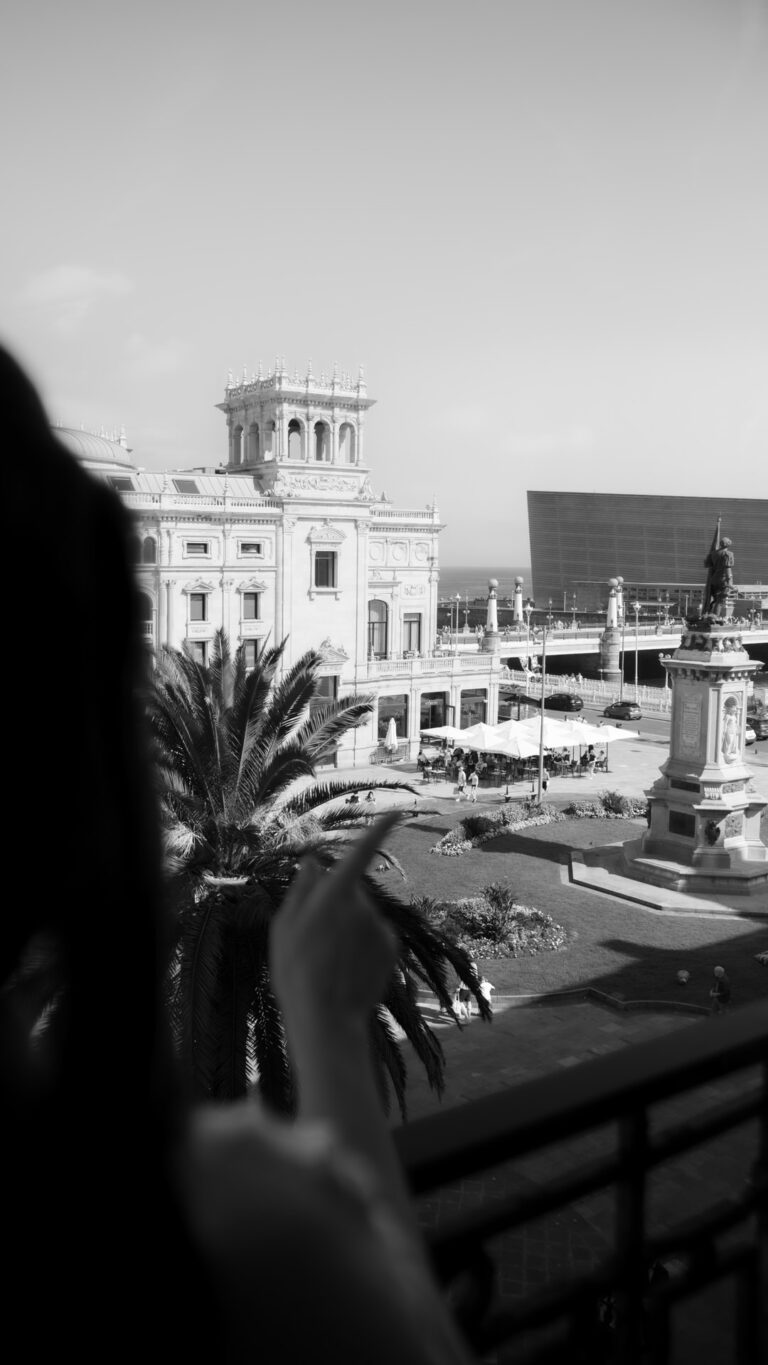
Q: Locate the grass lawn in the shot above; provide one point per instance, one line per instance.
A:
(630, 952)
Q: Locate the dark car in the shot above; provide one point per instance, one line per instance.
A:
(623, 710)
(564, 701)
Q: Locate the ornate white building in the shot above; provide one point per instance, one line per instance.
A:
(288, 540)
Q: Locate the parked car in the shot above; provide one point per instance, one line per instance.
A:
(564, 701)
(624, 710)
(758, 721)
(749, 734)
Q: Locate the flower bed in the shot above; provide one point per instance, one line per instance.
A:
(608, 805)
(475, 830)
(493, 925)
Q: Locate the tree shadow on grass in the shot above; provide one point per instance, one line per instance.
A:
(550, 851)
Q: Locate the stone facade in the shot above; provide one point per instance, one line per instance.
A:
(288, 540)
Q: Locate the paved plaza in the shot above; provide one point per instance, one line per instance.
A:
(531, 1037)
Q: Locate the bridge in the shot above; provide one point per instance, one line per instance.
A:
(663, 639)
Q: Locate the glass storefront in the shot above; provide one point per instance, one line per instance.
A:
(396, 706)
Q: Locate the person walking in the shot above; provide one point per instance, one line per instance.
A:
(473, 782)
(461, 782)
(486, 990)
(720, 994)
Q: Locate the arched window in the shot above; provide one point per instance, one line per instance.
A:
(346, 443)
(378, 616)
(322, 442)
(237, 445)
(269, 440)
(149, 550)
(295, 439)
(253, 442)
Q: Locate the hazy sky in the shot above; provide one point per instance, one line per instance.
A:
(541, 225)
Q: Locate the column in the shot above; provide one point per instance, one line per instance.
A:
(170, 585)
(162, 613)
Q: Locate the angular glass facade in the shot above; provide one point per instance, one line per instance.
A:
(657, 544)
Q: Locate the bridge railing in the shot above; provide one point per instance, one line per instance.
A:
(593, 690)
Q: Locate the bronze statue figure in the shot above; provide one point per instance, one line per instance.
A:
(718, 589)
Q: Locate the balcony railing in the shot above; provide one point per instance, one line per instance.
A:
(632, 1100)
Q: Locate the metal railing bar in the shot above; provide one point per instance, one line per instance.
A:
(488, 1131)
(630, 1233)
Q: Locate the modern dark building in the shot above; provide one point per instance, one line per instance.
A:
(657, 544)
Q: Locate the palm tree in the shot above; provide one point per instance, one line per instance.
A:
(236, 756)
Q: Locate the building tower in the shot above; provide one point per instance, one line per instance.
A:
(299, 437)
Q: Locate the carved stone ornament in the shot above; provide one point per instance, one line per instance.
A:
(332, 654)
(325, 535)
(414, 590)
(198, 586)
(251, 585)
(315, 483)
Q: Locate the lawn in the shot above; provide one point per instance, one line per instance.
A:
(627, 951)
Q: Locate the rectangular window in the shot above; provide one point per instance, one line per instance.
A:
(198, 651)
(327, 690)
(252, 547)
(325, 568)
(250, 650)
(185, 485)
(412, 633)
(197, 547)
(198, 606)
(251, 605)
(120, 484)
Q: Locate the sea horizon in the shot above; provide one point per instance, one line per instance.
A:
(471, 581)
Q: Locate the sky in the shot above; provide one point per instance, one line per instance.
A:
(540, 225)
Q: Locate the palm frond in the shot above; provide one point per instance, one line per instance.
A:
(389, 1066)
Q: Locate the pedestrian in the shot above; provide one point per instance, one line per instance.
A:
(544, 781)
(486, 990)
(461, 782)
(473, 782)
(720, 994)
(461, 999)
(370, 807)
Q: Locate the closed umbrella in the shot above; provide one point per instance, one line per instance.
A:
(390, 739)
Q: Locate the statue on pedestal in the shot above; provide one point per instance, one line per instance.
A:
(718, 589)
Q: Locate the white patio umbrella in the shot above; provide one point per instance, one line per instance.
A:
(442, 732)
(479, 736)
(390, 739)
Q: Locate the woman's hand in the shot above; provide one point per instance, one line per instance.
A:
(331, 953)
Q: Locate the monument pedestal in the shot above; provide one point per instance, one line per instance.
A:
(704, 827)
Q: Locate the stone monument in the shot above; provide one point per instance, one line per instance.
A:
(704, 825)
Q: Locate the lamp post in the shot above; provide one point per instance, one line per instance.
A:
(541, 725)
(636, 610)
(573, 609)
(456, 641)
(549, 618)
(621, 670)
(528, 608)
